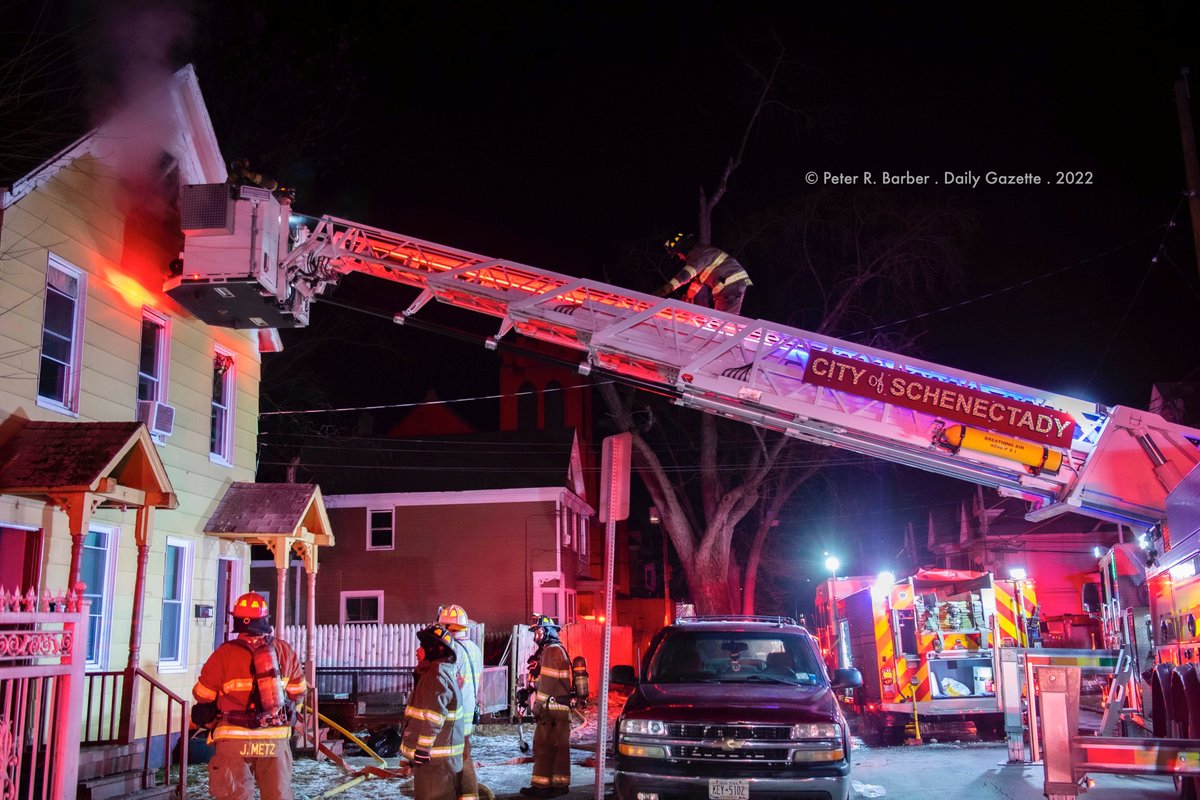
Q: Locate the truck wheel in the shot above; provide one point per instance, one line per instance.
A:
(872, 732)
(893, 735)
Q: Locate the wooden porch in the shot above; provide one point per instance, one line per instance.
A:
(286, 518)
(79, 467)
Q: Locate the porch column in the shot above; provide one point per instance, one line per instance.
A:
(281, 550)
(79, 508)
(142, 527)
(310, 652)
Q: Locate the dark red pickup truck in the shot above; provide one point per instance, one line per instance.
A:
(733, 708)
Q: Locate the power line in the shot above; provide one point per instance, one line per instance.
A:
(429, 402)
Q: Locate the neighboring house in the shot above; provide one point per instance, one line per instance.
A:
(90, 348)
(494, 522)
(1058, 555)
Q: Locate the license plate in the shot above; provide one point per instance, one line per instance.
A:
(721, 789)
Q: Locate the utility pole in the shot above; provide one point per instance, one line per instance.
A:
(668, 615)
(1191, 165)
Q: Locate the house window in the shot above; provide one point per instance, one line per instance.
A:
(177, 581)
(362, 608)
(568, 526)
(570, 615)
(97, 563)
(220, 439)
(62, 335)
(582, 536)
(153, 359)
(382, 535)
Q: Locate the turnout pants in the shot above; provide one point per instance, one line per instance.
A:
(468, 783)
(436, 780)
(237, 765)
(730, 298)
(552, 749)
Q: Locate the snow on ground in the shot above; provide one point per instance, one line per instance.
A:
(495, 748)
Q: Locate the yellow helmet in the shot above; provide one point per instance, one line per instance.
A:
(453, 617)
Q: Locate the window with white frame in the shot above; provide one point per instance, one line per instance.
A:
(97, 568)
(382, 532)
(177, 582)
(224, 373)
(62, 336)
(567, 523)
(154, 356)
(569, 615)
(581, 535)
(362, 608)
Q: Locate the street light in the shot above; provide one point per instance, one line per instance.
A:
(835, 638)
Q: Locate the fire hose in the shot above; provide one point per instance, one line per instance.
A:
(379, 770)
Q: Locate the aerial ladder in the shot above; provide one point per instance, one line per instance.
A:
(244, 265)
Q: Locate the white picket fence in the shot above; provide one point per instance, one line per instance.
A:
(364, 645)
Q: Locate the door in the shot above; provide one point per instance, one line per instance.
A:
(228, 583)
(20, 559)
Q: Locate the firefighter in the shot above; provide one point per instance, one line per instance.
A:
(433, 720)
(552, 711)
(715, 279)
(255, 682)
(240, 174)
(469, 666)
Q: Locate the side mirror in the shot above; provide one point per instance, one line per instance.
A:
(623, 675)
(849, 678)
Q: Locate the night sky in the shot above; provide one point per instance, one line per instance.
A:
(571, 135)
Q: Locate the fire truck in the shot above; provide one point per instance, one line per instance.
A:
(927, 647)
(1170, 600)
(247, 263)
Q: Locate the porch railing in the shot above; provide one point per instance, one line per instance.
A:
(104, 708)
(102, 703)
(184, 706)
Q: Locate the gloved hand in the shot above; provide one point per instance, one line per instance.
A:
(420, 757)
(662, 292)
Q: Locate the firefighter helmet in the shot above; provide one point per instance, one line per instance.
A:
(251, 605)
(437, 641)
(453, 617)
(251, 614)
(544, 628)
(680, 244)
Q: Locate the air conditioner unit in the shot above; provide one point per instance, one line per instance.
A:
(159, 417)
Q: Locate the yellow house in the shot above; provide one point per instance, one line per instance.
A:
(88, 339)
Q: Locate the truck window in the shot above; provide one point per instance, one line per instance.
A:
(722, 656)
(906, 631)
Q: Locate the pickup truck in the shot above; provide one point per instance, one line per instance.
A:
(733, 708)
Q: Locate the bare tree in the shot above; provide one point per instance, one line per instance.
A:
(842, 261)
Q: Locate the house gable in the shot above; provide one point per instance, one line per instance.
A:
(194, 147)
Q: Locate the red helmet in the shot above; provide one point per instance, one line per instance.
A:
(251, 605)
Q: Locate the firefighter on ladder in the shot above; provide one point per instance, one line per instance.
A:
(469, 666)
(552, 710)
(246, 695)
(715, 279)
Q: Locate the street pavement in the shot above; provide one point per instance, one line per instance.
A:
(929, 772)
(940, 771)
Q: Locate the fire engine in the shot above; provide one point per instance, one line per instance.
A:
(1165, 610)
(247, 264)
(926, 646)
